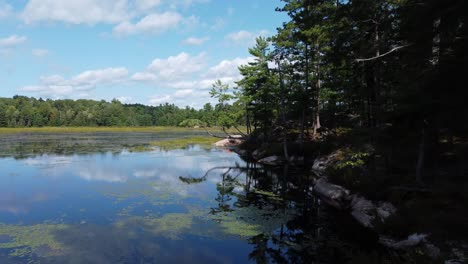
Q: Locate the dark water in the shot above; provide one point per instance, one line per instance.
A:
(87, 199)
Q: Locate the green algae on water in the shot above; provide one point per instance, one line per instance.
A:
(24, 240)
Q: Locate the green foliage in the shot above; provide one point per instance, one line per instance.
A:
(353, 160)
(21, 111)
(192, 123)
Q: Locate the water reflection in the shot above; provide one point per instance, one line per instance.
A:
(192, 205)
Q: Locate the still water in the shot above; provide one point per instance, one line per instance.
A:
(87, 198)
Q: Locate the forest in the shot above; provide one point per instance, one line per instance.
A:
(22, 111)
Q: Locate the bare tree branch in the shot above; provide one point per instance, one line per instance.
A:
(385, 54)
(213, 135)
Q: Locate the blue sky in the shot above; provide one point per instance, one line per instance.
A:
(138, 51)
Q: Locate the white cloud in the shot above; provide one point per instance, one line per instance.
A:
(76, 12)
(125, 99)
(182, 98)
(103, 76)
(228, 68)
(151, 24)
(158, 99)
(183, 93)
(186, 3)
(147, 4)
(6, 10)
(193, 91)
(190, 76)
(196, 41)
(57, 86)
(240, 36)
(144, 77)
(12, 41)
(40, 52)
(244, 37)
(56, 91)
(174, 68)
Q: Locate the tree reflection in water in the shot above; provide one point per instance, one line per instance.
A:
(313, 234)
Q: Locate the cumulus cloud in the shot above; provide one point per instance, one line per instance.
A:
(159, 99)
(147, 4)
(190, 77)
(186, 3)
(244, 37)
(40, 52)
(76, 12)
(56, 86)
(125, 99)
(6, 10)
(174, 68)
(228, 68)
(151, 24)
(183, 93)
(188, 73)
(12, 41)
(144, 77)
(193, 91)
(195, 41)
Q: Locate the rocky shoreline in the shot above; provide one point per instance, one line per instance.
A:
(368, 214)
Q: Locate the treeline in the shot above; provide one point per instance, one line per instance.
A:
(21, 111)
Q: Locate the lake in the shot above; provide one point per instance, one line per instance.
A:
(90, 198)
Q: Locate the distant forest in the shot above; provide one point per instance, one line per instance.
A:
(21, 111)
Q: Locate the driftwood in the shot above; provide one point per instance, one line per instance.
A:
(331, 194)
(229, 142)
(368, 213)
(272, 161)
(364, 211)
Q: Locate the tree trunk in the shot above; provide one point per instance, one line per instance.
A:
(421, 152)
(283, 110)
(317, 124)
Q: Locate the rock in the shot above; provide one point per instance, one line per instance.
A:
(322, 163)
(385, 210)
(431, 250)
(258, 154)
(272, 161)
(412, 241)
(366, 212)
(332, 194)
(296, 160)
(458, 255)
(363, 210)
(228, 143)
